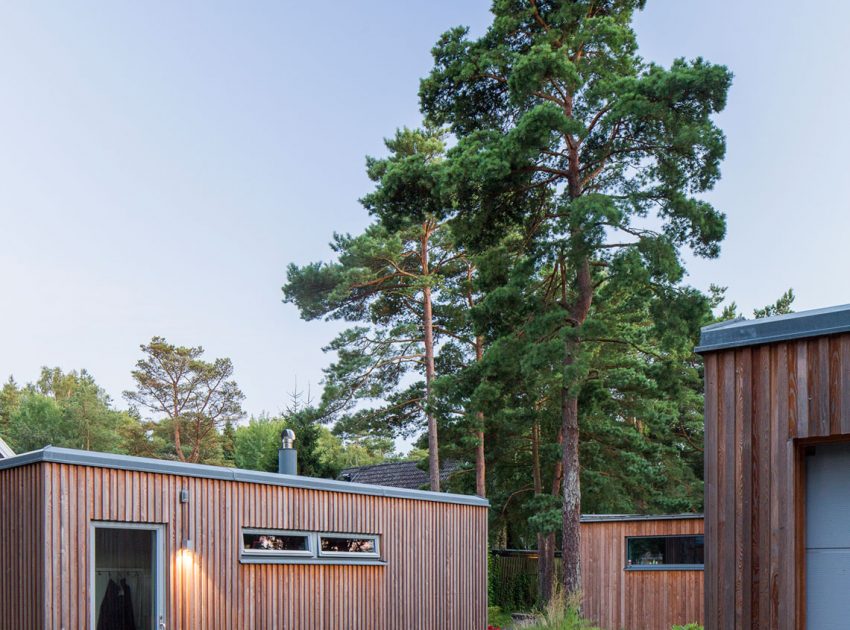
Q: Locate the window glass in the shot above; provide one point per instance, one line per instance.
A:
(260, 546)
(661, 551)
(348, 544)
(268, 541)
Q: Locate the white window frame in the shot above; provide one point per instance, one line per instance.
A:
(310, 552)
(375, 538)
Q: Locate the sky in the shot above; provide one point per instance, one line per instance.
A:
(162, 163)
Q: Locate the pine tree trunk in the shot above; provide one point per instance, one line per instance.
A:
(428, 326)
(175, 416)
(571, 540)
(545, 542)
(480, 464)
(548, 550)
(571, 543)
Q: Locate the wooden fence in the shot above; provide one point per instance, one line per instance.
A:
(513, 579)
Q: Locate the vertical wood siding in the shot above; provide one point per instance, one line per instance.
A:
(436, 553)
(22, 584)
(637, 600)
(762, 405)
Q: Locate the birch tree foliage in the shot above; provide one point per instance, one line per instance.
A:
(64, 409)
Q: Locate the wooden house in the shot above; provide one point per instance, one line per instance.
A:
(88, 538)
(777, 471)
(638, 572)
(642, 572)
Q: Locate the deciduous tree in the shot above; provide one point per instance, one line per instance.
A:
(65, 409)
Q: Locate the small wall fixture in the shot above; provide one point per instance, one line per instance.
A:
(186, 544)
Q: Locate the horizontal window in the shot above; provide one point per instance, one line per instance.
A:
(348, 545)
(288, 547)
(665, 552)
(267, 541)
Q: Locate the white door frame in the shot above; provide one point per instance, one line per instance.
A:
(159, 560)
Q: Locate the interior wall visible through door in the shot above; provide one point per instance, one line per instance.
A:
(125, 578)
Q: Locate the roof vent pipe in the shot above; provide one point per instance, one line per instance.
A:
(287, 456)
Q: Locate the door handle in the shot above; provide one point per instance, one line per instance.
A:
(161, 623)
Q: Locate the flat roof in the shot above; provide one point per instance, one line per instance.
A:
(750, 332)
(606, 518)
(144, 464)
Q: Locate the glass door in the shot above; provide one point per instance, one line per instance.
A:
(127, 584)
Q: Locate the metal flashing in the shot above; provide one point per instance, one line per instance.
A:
(750, 332)
(352, 562)
(668, 567)
(144, 464)
(606, 518)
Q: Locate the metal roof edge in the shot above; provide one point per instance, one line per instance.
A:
(750, 332)
(21, 460)
(144, 464)
(608, 518)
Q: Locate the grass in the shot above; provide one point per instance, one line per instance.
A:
(562, 614)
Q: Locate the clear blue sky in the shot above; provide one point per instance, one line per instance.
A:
(161, 163)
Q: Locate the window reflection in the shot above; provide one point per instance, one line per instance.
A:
(255, 541)
(336, 544)
(665, 551)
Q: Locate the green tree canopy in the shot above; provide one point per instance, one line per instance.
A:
(386, 280)
(598, 158)
(64, 409)
(191, 398)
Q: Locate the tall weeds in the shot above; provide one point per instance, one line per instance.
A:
(563, 614)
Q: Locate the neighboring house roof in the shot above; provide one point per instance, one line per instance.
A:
(395, 474)
(5, 451)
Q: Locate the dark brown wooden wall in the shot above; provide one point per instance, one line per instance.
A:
(636, 600)
(21, 544)
(435, 576)
(763, 404)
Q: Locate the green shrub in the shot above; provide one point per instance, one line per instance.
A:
(690, 626)
(498, 617)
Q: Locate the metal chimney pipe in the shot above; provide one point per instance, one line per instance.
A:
(287, 456)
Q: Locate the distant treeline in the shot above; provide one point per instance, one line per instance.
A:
(182, 408)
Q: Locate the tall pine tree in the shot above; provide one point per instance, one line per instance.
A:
(597, 156)
(386, 280)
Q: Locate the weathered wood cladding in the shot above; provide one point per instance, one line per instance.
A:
(22, 588)
(615, 598)
(763, 404)
(434, 577)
